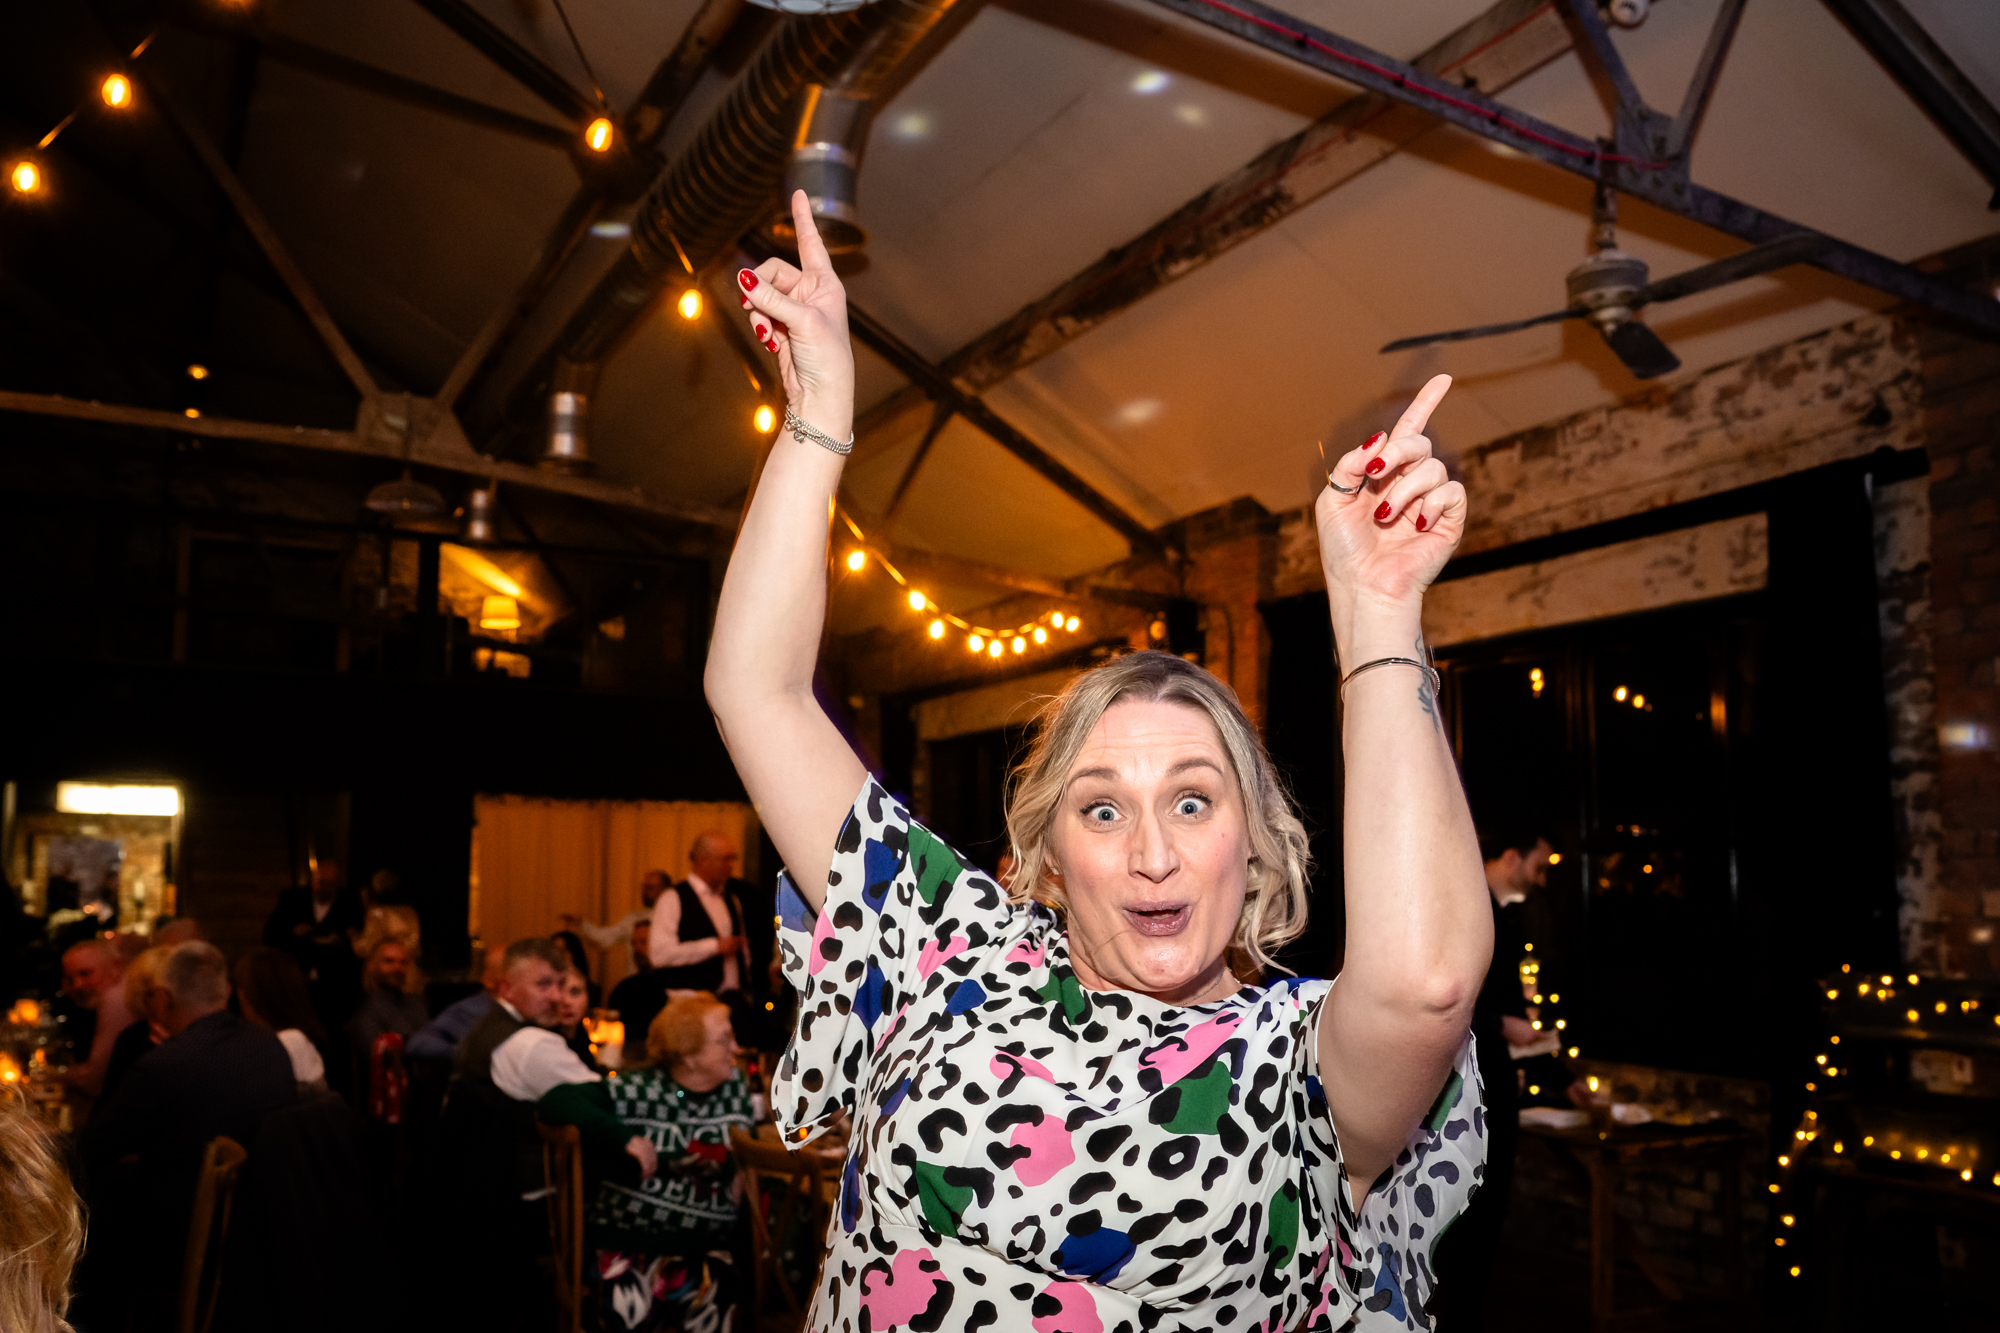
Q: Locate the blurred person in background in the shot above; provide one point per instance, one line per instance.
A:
(316, 925)
(651, 886)
(273, 995)
(664, 1245)
(142, 1034)
(571, 1005)
(213, 1073)
(391, 996)
(41, 1228)
(94, 977)
(439, 1039)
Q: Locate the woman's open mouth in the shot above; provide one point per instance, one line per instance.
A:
(1159, 918)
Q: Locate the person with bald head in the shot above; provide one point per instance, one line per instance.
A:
(94, 977)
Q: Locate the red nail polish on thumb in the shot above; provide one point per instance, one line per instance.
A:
(747, 278)
(1382, 511)
(1422, 523)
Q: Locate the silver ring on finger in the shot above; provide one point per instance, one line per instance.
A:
(1344, 490)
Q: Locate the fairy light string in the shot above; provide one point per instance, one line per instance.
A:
(980, 639)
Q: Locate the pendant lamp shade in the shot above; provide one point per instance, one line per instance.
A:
(499, 613)
(405, 497)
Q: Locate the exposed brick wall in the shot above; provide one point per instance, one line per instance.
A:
(1962, 425)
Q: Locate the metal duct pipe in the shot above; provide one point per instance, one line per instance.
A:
(567, 448)
(826, 164)
(723, 183)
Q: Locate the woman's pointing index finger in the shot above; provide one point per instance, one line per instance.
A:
(813, 256)
(1418, 414)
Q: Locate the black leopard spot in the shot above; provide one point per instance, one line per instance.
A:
(1217, 1167)
(983, 1313)
(1096, 1182)
(1105, 1141)
(1172, 1159)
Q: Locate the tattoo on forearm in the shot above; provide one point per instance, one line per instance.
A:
(1426, 692)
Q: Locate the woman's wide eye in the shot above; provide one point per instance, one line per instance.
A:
(1103, 814)
(1188, 805)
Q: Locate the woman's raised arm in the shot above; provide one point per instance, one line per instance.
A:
(799, 770)
(1419, 931)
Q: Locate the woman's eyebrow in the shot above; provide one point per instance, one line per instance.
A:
(1199, 761)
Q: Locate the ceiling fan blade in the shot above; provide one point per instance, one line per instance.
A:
(1642, 351)
(1786, 250)
(1484, 330)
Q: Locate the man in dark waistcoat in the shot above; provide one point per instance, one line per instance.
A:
(496, 1154)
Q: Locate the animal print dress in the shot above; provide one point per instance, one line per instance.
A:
(1030, 1155)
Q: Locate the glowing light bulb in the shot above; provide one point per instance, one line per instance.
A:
(766, 420)
(1621, 694)
(25, 177)
(1555, 858)
(937, 629)
(1019, 645)
(598, 135)
(1638, 701)
(192, 413)
(1913, 978)
(1795, 1271)
(1572, 1052)
(1911, 1015)
(856, 560)
(1073, 622)
(690, 304)
(116, 90)
(917, 600)
(995, 648)
(975, 643)
(197, 372)
(1592, 1080)
(1965, 1175)
(1838, 1146)
(1042, 636)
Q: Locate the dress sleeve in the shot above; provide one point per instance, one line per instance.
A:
(904, 923)
(1385, 1247)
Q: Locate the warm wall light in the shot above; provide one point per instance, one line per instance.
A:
(25, 177)
(766, 420)
(598, 135)
(690, 304)
(497, 612)
(125, 798)
(197, 372)
(116, 90)
(855, 560)
(916, 600)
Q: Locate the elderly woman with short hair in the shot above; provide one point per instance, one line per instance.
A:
(1068, 1114)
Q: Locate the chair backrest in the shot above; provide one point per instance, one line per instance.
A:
(208, 1223)
(562, 1174)
(801, 1175)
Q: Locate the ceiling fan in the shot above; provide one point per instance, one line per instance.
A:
(1610, 286)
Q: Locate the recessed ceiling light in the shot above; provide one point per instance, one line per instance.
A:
(617, 231)
(912, 126)
(1147, 82)
(1140, 410)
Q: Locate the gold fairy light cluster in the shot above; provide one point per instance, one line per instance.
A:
(979, 639)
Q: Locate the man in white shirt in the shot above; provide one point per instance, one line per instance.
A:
(698, 932)
(651, 887)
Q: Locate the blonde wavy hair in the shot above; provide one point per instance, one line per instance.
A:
(41, 1228)
(1274, 903)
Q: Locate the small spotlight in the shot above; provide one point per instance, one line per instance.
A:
(25, 177)
(690, 304)
(598, 135)
(116, 90)
(937, 629)
(856, 560)
(917, 600)
(1020, 645)
(975, 643)
(197, 371)
(766, 420)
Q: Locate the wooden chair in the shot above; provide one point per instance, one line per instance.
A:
(800, 1178)
(208, 1225)
(562, 1174)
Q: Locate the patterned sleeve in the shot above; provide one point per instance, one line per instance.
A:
(904, 922)
(1385, 1249)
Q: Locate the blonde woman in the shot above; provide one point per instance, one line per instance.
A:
(1068, 1115)
(41, 1226)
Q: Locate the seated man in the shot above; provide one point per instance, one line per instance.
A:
(511, 1058)
(94, 976)
(386, 1002)
(663, 1243)
(214, 1074)
(439, 1038)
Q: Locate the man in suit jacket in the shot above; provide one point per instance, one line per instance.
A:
(316, 927)
(215, 1074)
(715, 932)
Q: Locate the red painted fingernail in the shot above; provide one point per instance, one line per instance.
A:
(772, 344)
(747, 278)
(1374, 439)
(1376, 466)
(1421, 523)
(763, 334)
(1382, 511)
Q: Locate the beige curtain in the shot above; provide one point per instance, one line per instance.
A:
(533, 860)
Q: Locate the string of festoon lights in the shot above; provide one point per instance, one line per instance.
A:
(27, 175)
(979, 639)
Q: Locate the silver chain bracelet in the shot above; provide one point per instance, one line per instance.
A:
(802, 432)
(1436, 680)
